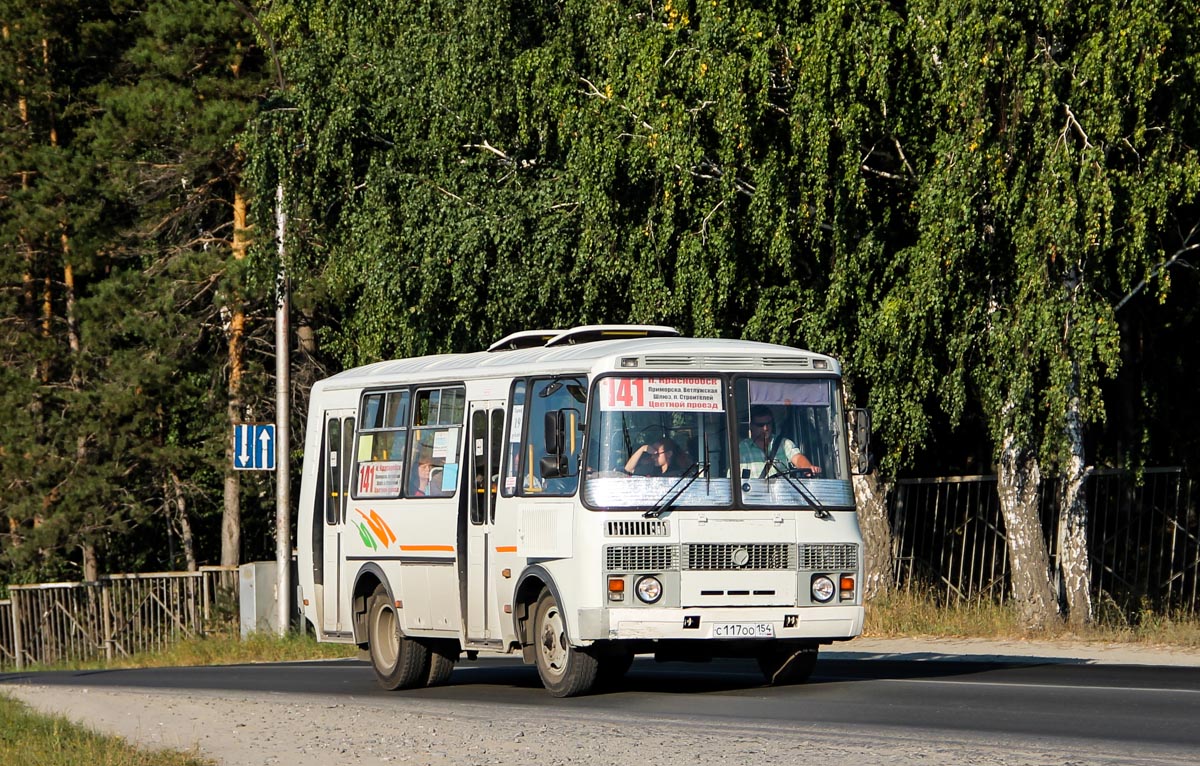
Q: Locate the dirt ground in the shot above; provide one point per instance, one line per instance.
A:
(242, 728)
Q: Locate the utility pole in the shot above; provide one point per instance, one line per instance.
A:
(283, 516)
(283, 523)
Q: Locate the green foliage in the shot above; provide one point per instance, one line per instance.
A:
(121, 177)
(954, 198)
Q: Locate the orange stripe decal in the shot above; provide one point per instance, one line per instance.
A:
(506, 549)
(449, 548)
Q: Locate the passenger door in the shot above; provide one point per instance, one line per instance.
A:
(337, 462)
(486, 442)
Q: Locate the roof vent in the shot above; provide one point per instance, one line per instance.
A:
(524, 339)
(595, 332)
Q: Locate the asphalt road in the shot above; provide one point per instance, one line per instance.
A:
(1135, 707)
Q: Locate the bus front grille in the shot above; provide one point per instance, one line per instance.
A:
(718, 556)
(640, 558)
(829, 556)
(639, 528)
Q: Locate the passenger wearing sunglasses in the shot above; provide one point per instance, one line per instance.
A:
(664, 460)
(765, 447)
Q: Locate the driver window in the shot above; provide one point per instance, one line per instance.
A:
(780, 427)
(566, 394)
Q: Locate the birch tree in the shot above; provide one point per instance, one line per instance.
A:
(1063, 140)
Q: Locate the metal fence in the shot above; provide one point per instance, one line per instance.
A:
(1144, 543)
(1144, 538)
(118, 615)
(8, 654)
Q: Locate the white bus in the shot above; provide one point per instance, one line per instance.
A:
(580, 497)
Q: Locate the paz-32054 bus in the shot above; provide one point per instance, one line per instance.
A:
(580, 497)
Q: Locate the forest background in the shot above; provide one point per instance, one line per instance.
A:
(988, 210)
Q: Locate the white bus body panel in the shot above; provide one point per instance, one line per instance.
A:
(423, 564)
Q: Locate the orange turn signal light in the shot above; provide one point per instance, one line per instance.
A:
(616, 585)
(847, 583)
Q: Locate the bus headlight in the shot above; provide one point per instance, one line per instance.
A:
(649, 589)
(823, 588)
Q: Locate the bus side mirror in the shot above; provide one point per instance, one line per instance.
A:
(555, 427)
(860, 433)
(556, 463)
(554, 466)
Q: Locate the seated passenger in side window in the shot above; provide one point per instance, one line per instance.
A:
(659, 458)
(424, 474)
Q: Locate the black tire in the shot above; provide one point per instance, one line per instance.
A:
(442, 656)
(565, 670)
(399, 662)
(789, 665)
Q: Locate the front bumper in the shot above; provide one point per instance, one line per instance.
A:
(696, 623)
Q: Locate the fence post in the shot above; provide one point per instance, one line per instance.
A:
(18, 645)
(205, 601)
(106, 608)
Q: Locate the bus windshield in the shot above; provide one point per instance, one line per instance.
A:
(648, 432)
(787, 440)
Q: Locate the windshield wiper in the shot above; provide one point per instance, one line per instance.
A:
(689, 475)
(786, 472)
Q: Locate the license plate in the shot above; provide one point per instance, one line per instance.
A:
(743, 630)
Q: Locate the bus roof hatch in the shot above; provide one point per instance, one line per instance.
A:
(594, 332)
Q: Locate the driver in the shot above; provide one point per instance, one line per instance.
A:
(763, 446)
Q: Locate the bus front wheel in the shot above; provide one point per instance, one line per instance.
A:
(566, 671)
(399, 662)
(783, 666)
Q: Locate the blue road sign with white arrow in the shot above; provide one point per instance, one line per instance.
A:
(254, 446)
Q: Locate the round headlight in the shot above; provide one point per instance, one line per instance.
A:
(649, 589)
(823, 588)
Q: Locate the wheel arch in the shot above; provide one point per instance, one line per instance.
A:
(370, 576)
(529, 588)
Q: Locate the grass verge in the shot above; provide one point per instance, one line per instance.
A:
(28, 738)
(910, 614)
(221, 649)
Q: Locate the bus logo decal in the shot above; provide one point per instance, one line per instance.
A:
(378, 526)
(366, 536)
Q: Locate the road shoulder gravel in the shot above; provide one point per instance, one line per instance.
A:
(238, 729)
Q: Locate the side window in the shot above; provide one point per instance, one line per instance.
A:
(379, 457)
(496, 443)
(512, 445)
(333, 489)
(487, 439)
(435, 446)
(546, 471)
(479, 453)
(339, 438)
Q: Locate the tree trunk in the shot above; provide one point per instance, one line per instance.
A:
(186, 535)
(1028, 560)
(231, 520)
(870, 495)
(91, 566)
(1074, 566)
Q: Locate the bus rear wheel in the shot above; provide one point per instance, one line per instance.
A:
(399, 662)
(442, 657)
(783, 666)
(566, 671)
